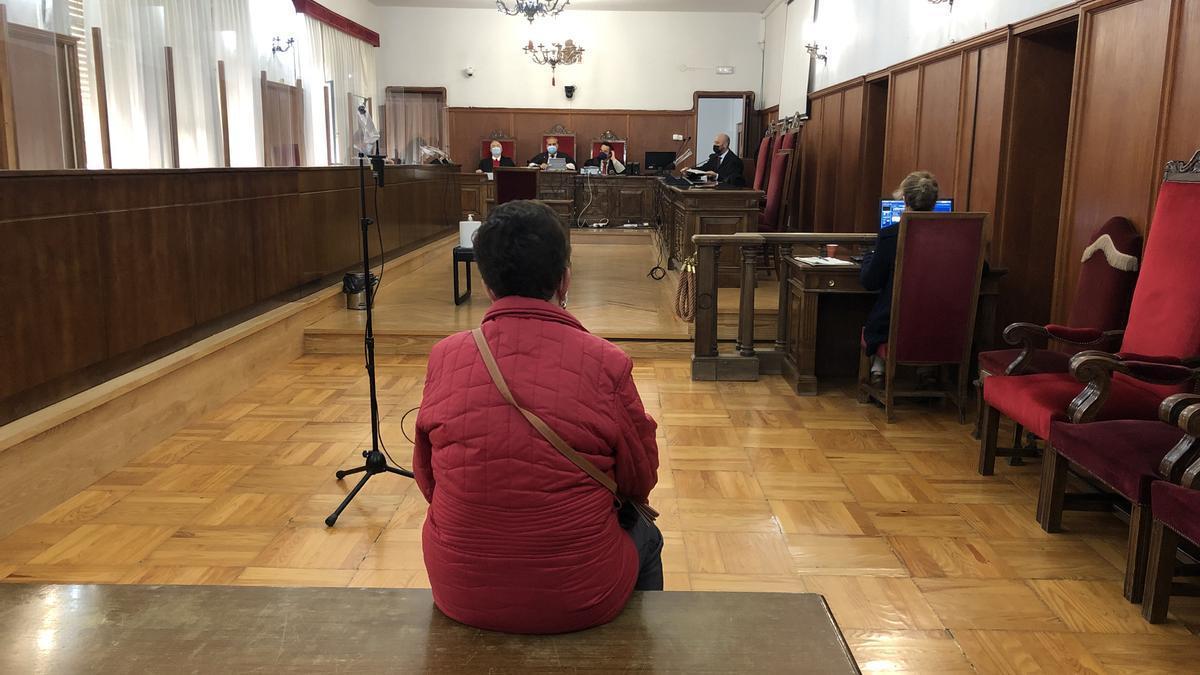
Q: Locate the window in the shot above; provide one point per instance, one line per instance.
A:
(414, 117)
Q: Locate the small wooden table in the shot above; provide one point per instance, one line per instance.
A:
(210, 629)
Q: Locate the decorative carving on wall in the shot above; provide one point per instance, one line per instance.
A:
(1180, 170)
(499, 135)
(559, 129)
(608, 136)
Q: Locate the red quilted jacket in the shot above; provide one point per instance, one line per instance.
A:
(517, 538)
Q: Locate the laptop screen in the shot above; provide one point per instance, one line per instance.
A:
(890, 210)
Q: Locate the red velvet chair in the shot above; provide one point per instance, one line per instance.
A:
(566, 141)
(1163, 327)
(516, 183)
(768, 220)
(939, 266)
(617, 144)
(765, 159)
(1176, 514)
(509, 145)
(1126, 456)
(1102, 297)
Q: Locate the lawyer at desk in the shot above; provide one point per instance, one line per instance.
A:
(723, 164)
(544, 159)
(607, 162)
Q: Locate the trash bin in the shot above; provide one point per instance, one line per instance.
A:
(355, 288)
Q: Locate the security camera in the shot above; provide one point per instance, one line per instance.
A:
(570, 89)
(469, 72)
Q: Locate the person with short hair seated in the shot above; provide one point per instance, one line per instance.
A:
(518, 538)
(606, 161)
(542, 159)
(919, 190)
(495, 160)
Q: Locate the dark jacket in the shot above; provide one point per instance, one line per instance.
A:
(612, 170)
(485, 164)
(544, 158)
(878, 270)
(729, 170)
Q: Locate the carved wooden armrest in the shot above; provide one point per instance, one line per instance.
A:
(1031, 337)
(1182, 410)
(1095, 369)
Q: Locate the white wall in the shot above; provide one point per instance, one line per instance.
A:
(634, 60)
(359, 11)
(774, 34)
(863, 36)
(717, 116)
(793, 91)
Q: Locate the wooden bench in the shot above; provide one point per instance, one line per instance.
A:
(76, 629)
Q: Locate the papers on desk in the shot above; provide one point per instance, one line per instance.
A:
(824, 261)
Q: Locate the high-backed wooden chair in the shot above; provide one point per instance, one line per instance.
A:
(1126, 456)
(765, 160)
(939, 266)
(1163, 327)
(1176, 507)
(769, 219)
(1102, 296)
(566, 140)
(618, 146)
(508, 144)
(515, 183)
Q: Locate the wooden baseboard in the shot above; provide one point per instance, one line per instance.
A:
(50, 455)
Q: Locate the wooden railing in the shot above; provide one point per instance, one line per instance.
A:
(757, 251)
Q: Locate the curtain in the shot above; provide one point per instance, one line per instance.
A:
(414, 119)
(191, 33)
(333, 60)
(235, 46)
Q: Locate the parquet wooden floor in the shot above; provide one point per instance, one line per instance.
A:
(928, 567)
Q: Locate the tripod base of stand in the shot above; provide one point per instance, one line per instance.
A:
(376, 464)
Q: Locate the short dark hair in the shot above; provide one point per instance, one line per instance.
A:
(522, 249)
(606, 144)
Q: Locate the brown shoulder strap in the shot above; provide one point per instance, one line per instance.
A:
(559, 444)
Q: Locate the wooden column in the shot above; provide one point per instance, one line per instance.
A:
(784, 252)
(172, 118)
(224, 98)
(101, 95)
(298, 107)
(8, 131)
(745, 339)
(262, 84)
(706, 301)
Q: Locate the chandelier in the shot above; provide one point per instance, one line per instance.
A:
(554, 56)
(533, 8)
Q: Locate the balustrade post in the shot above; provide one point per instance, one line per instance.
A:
(745, 339)
(784, 252)
(706, 300)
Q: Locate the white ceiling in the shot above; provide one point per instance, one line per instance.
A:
(755, 6)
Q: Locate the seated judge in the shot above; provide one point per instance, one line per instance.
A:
(495, 160)
(543, 159)
(607, 161)
(724, 165)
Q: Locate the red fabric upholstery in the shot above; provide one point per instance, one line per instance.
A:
(765, 155)
(517, 538)
(768, 220)
(940, 267)
(509, 146)
(789, 141)
(566, 144)
(617, 146)
(1103, 293)
(512, 185)
(1178, 508)
(1124, 454)
(1034, 401)
(1043, 361)
(1077, 335)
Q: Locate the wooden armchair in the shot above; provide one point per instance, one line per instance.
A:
(1176, 506)
(1126, 457)
(764, 160)
(939, 267)
(566, 141)
(1163, 328)
(618, 146)
(506, 142)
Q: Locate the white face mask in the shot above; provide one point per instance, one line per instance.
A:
(552, 149)
(496, 152)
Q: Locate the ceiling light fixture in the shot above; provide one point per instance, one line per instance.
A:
(554, 56)
(530, 9)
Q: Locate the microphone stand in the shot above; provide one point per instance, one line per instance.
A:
(376, 461)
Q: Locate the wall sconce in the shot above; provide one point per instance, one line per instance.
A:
(820, 51)
(276, 49)
(943, 2)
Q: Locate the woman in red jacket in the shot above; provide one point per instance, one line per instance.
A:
(517, 538)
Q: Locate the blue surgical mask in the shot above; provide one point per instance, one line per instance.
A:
(552, 149)
(603, 156)
(496, 152)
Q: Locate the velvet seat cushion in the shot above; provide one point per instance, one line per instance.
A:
(1043, 361)
(1035, 401)
(1124, 454)
(1178, 507)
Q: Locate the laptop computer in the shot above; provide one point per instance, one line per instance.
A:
(557, 163)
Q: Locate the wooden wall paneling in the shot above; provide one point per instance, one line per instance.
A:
(98, 77)
(810, 149)
(652, 132)
(828, 156)
(531, 126)
(870, 179)
(222, 265)
(849, 161)
(900, 154)
(1116, 111)
(469, 126)
(591, 126)
(1182, 134)
(938, 122)
(987, 108)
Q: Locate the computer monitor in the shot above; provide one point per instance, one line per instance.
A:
(890, 210)
(659, 161)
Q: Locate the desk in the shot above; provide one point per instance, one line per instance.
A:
(827, 307)
(207, 629)
(575, 198)
(688, 212)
